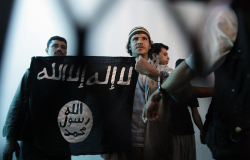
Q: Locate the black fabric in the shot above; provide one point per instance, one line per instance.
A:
(25, 101)
(181, 123)
(29, 152)
(104, 91)
(232, 92)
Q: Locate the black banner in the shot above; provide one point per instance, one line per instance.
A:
(80, 105)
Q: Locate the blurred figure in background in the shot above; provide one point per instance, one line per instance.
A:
(208, 122)
(181, 127)
(224, 49)
(157, 139)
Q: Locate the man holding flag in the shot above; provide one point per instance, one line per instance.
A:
(56, 46)
(139, 45)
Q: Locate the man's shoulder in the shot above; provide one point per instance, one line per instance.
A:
(27, 70)
(165, 68)
(26, 74)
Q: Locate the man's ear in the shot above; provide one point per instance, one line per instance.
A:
(154, 56)
(129, 48)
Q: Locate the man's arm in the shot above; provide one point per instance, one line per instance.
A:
(179, 77)
(202, 92)
(209, 116)
(12, 121)
(219, 28)
(143, 67)
(150, 110)
(197, 118)
(207, 123)
(10, 147)
(13, 117)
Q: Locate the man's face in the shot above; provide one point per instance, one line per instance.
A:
(139, 45)
(162, 56)
(57, 48)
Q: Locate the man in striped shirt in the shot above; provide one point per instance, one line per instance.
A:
(139, 45)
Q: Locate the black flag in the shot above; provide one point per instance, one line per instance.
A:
(80, 105)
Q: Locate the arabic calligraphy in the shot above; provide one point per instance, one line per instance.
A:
(75, 120)
(96, 78)
(75, 134)
(73, 108)
(70, 74)
(83, 74)
(113, 78)
(122, 74)
(73, 112)
(90, 81)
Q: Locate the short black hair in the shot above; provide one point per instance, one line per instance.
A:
(178, 62)
(56, 38)
(129, 40)
(157, 47)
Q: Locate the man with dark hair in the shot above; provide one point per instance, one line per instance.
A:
(182, 143)
(139, 45)
(56, 46)
(182, 126)
(56, 38)
(156, 133)
(160, 52)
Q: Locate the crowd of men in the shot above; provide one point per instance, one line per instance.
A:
(165, 130)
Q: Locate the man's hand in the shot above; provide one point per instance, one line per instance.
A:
(142, 66)
(11, 146)
(203, 136)
(202, 92)
(150, 110)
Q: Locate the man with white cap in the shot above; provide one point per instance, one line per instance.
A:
(139, 45)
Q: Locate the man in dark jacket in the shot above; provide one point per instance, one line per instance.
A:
(56, 46)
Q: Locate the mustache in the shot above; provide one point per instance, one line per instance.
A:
(139, 46)
(58, 52)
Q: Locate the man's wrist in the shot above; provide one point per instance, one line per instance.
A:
(163, 91)
(158, 95)
(164, 76)
(151, 71)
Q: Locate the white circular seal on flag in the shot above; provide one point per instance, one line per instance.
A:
(75, 121)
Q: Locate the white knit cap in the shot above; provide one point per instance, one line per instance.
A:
(137, 29)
